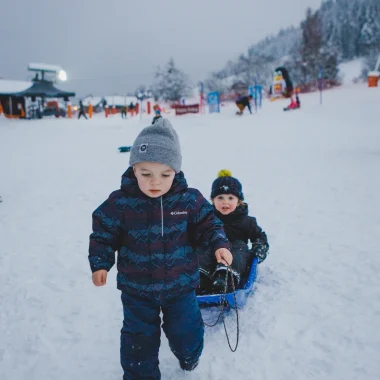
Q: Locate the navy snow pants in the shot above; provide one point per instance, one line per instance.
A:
(140, 335)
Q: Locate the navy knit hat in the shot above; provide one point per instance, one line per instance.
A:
(226, 184)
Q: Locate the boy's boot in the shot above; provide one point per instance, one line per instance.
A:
(188, 366)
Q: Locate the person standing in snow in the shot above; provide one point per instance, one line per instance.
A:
(242, 102)
(228, 201)
(131, 108)
(123, 112)
(154, 221)
(81, 110)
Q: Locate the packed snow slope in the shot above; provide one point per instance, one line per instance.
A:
(310, 176)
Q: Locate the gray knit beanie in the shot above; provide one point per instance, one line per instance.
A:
(157, 143)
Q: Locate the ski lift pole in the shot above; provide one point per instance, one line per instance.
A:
(141, 96)
(125, 106)
(201, 91)
(10, 107)
(256, 94)
(320, 84)
(377, 64)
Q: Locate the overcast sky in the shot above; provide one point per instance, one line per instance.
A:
(113, 46)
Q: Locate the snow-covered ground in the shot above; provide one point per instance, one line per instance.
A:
(351, 71)
(311, 178)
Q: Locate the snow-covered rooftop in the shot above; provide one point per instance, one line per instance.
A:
(13, 86)
(44, 67)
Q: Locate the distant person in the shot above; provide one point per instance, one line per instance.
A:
(242, 102)
(81, 110)
(157, 116)
(131, 108)
(123, 112)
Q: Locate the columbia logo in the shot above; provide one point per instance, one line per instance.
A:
(178, 213)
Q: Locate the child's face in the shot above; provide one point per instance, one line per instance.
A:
(154, 179)
(226, 203)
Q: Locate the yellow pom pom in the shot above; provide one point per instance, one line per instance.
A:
(225, 173)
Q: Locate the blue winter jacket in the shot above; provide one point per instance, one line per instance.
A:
(154, 237)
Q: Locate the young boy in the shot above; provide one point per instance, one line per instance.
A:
(154, 221)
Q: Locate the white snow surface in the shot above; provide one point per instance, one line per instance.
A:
(311, 177)
(351, 71)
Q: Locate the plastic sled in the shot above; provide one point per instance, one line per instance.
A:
(124, 149)
(242, 292)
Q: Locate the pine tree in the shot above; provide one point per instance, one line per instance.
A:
(369, 39)
(170, 83)
(339, 31)
(314, 52)
(311, 46)
(293, 63)
(216, 82)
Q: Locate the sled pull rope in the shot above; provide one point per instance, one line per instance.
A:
(221, 312)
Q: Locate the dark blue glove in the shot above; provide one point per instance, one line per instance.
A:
(260, 251)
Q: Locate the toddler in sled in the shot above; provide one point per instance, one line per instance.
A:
(229, 206)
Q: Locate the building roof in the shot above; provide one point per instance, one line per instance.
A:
(28, 89)
(9, 87)
(44, 67)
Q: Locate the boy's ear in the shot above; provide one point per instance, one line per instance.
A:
(134, 169)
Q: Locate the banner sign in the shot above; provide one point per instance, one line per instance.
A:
(257, 94)
(183, 109)
(213, 102)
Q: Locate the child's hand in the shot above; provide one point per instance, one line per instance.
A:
(223, 256)
(99, 278)
(260, 251)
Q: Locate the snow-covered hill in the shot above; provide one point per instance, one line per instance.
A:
(310, 177)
